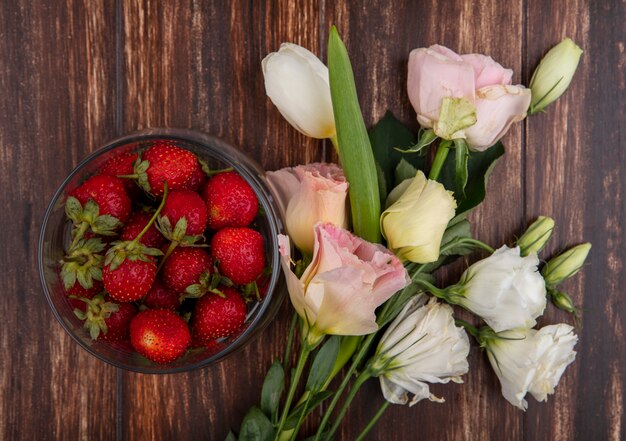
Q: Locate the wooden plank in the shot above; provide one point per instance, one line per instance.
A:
(57, 78)
(379, 37)
(574, 169)
(198, 65)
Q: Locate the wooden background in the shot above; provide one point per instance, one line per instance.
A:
(78, 73)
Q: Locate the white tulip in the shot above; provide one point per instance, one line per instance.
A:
(297, 83)
(527, 360)
(422, 345)
(505, 289)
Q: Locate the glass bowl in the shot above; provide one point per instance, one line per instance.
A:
(55, 237)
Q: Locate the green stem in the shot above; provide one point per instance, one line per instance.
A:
(335, 142)
(152, 219)
(292, 328)
(357, 360)
(365, 375)
(373, 421)
(440, 158)
(80, 233)
(305, 350)
(440, 293)
(296, 429)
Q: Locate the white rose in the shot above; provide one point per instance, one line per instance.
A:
(422, 345)
(527, 360)
(505, 289)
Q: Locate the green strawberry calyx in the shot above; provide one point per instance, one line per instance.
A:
(98, 310)
(207, 283)
(83, 264)
(134, 250)
(87, 218)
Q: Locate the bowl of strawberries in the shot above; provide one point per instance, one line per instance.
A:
(158, 253)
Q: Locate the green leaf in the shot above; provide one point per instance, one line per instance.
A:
(404, 171)
(105, 225)
(230, 437)
(456, 114)
(386, 137)
(395, 304)
(479, 166)
(256, 426)
(323, 364)
(426, 138)
(460, 172)
(454, 233)
(308, 407)
(354, 146)
(273, 387)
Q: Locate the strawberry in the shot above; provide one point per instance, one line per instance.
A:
(230, 200)
(216, 317)
(160, 335)
(105, 319)
(239, 254)
(121, 165)
(197, 180)
(76, 293)
(165, 162)
(184, 267)
(186, 212)
(130, 267)
(108, 193)
(161, 296)
(136, 223)
(130, 280)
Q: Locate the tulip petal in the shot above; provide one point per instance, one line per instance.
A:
(497, 107)
(297, 83)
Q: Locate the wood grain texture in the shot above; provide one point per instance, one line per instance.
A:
(75, 74)
(569, 178)
(58, 103)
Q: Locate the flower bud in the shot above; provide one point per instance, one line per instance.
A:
(562, 301)
(536, 236)
(297, 83)
(565, 265)
(415, 221)
(553, 75)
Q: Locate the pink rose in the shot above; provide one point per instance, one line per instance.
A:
(308, 194)
(484, 86)
(346, 281)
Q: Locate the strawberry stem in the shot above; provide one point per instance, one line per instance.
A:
(169, 251)
(152, 219)
(79, 233)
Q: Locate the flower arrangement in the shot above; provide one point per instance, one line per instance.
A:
(365, 238)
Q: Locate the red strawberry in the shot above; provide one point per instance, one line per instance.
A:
(161, 296)
(230, 200)
(165, 162)
(78, 291)
(197, 180)
(239, 253)
(184, 267)
(159, 335)
(216, 317)
(122, 164)
(188, 205)
(136, 224)
(105, 319)
(130, 280)
(108, 193)
(119, 322)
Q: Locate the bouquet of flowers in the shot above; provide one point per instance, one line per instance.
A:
(366, 237)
